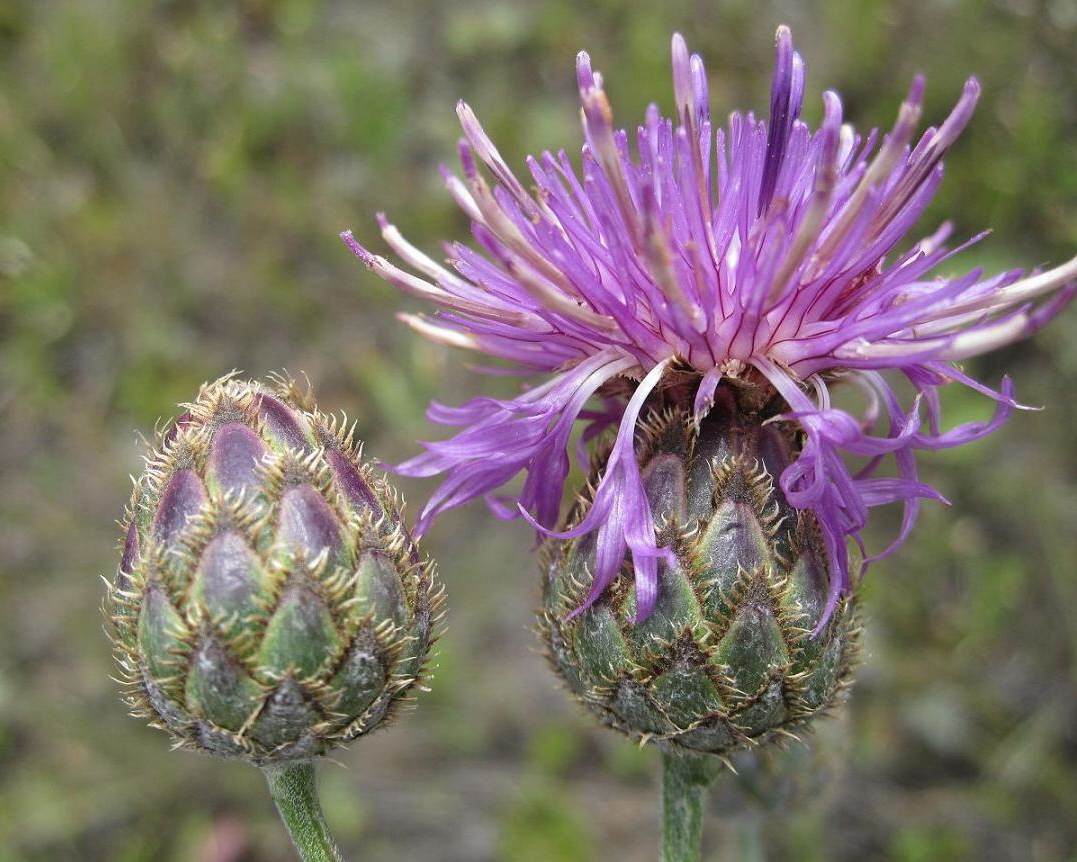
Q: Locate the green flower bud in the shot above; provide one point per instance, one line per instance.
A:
(727, 658)
(269, 604)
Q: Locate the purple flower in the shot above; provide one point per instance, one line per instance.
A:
(761, 251)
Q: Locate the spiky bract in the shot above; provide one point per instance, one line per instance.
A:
(269, 604)
(726, 659)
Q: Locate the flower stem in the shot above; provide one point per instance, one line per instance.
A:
(686, 779)
(292, 788)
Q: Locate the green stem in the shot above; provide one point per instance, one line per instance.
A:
(292, 788)
(685, 781)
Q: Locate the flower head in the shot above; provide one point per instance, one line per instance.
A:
(761, 252)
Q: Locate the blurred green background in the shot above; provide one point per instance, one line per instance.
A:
(173, 177)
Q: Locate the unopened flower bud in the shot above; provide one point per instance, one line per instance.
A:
(269, 604)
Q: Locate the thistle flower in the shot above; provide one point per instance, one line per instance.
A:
(269, 604)
(760, 255)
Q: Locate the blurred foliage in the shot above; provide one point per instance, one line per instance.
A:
(173, 177)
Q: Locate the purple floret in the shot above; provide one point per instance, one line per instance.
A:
(759, 250)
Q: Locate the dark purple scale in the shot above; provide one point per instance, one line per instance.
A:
(183, 497)
(235, 459)
(228, 574)
(357, 492)
(307, 523)
(281, 423)
(129, 559)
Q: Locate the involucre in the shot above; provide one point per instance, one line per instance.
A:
(727, 658)
(269, 604)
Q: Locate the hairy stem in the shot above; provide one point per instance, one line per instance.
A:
(292, 788)
(686, 779)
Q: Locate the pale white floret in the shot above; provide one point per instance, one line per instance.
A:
(441, 334)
